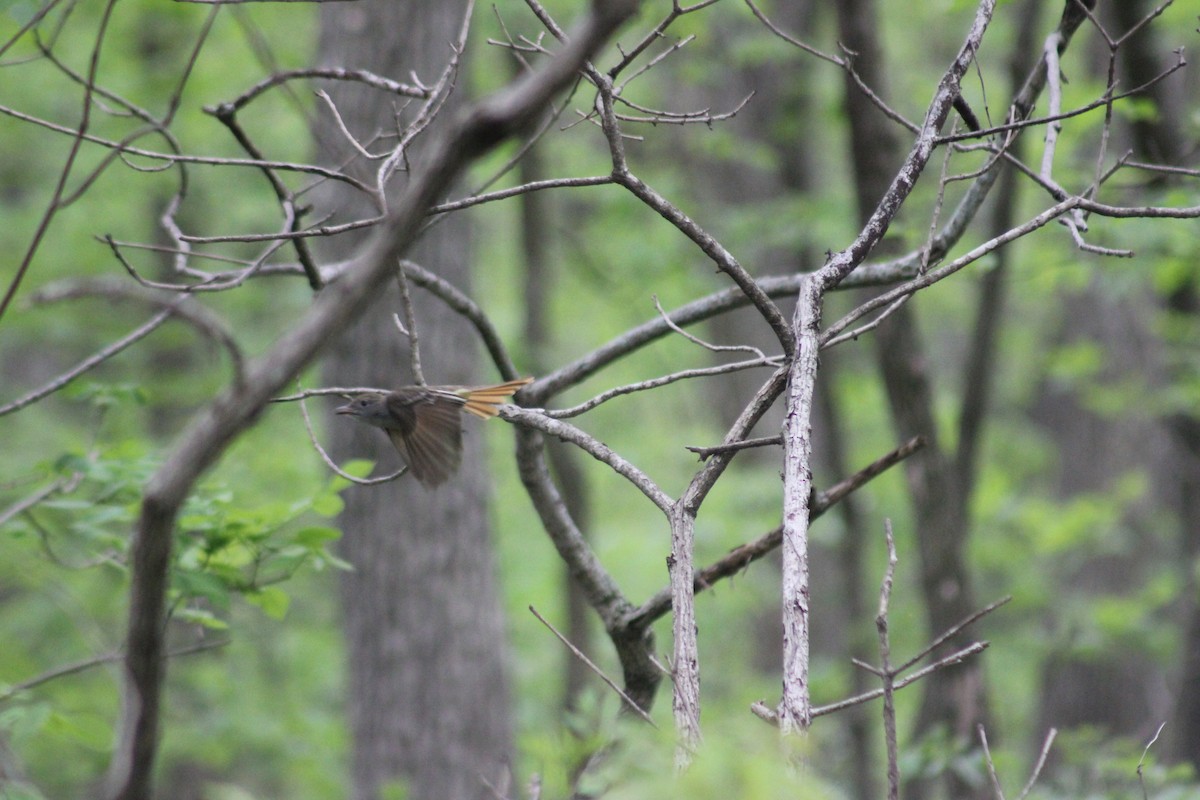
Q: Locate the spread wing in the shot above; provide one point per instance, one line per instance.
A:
(427, 433)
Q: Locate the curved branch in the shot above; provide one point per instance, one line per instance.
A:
(593, 447)
(89, 363)
(205, 322)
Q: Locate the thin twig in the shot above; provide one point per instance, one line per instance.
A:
(632, 706)
(21, 506)
(888, 675)
(954, 630)
(538, 420)
(746, 444)
(957, 657)
(1142, 760)
(991, 765)
(654, 383)
(312, 437)
(97, 661)
(1041, 762)
(715, 348)
(89, 363)
(409, 328)
(78, 135)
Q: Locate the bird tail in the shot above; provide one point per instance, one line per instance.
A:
(485, 401)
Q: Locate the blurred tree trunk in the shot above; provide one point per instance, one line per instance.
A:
(1186, 724)
(427, 694)
(1161, 137)
(954, 699)
(1123, 691)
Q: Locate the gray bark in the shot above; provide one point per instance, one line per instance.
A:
(427, 696)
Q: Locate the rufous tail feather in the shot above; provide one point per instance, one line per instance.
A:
(485, 401)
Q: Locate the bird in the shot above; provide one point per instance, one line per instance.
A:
(425, 422)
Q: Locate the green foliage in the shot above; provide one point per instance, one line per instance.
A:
(1097, 766)
(252, 563)
(226, 549)
(939, 753)
(740, 759)
(78, 538)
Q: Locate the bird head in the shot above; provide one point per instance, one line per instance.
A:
(369, 407)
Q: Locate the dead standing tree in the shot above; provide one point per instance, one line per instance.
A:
(343, 289)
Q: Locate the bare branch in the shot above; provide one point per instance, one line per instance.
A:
(885, 667)
(539, 421)
(89, 363)
(575, 651)
(991, 765)
(685, 663)
(329, 462)
(1043, 754)
(795, 708)
(1142, 760)
(331, 74)
(953, 631)
(654, 383)
(935, 275)
(200, 318)
(716, 348)
(409, 328)
(78, 136)
(744, 555)
(536, 186)
(765, 441)
(98, 661)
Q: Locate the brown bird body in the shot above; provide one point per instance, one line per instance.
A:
(425, 422)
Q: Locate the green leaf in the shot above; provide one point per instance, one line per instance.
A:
(24, 720)
(234, 555)
(327, 505)
(316, 536)
(202, 584)
(88, 730)
(272, 600)
(102, 395)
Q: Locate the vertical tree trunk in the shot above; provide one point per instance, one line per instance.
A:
(427, 695)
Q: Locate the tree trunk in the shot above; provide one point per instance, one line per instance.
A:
(427, 695)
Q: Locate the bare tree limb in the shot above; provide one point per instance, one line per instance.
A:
(795, 709)
(575, 651)
(744, 555)
(887, 674)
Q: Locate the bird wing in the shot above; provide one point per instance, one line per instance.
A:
(428, 434)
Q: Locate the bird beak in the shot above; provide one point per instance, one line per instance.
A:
(346, 409)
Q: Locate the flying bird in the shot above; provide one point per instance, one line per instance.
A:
(425, 422)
